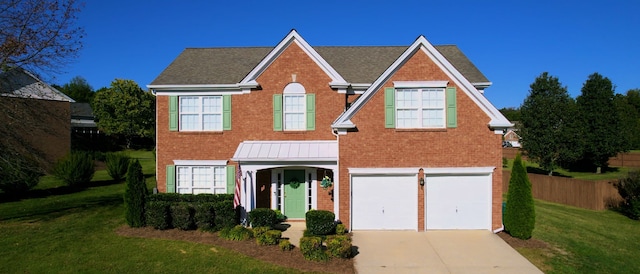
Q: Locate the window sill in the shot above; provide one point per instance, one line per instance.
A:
(421, 129)
(294, 131)
(200, 132)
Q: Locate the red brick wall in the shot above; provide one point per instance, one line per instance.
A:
(252, 116)
(471, 144)
(40, 129)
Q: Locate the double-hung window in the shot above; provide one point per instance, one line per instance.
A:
(201, 179)
(294, 111)
(200, 113)
(420, 104)
(420, 108)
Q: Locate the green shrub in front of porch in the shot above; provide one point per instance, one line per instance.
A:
(320, 222)
(263, 217)
(339, 246)
(271, 237)
(312, 249)
(184, 211)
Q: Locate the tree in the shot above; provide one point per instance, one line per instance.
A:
(629, 125)
(633, 99)
(549, 133)
(125, 109)
(135, 194)
(79, 89)
(599, 119)
(38, 35)
(511, 113)
(520, 215)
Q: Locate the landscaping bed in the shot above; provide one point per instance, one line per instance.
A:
(271, 254)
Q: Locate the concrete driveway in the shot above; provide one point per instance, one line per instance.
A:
(455, 251)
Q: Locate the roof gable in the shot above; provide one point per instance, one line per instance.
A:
(498, 121)
(20, 83)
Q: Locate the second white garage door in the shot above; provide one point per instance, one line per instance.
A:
(384, 202)
(458, 202)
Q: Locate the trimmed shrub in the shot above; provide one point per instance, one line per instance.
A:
(75, 169)
(257, 231)
(117, 165)
(182, 216)
(339, 246)
(262, 217)
(629, 190)
(320, 222)
(341, 229)
(270, 237)
(312, 249)
(285, 245)
(237, 233)
(225, 214)
(18, 173)
(158, 215)
(519, 216)
(204, 216)
(135, 193)
(279, 216)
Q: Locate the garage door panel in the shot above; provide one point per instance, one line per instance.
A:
(384, 202)
(458, 202)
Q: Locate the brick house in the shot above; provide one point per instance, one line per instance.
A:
(36, 118)
(403, 134)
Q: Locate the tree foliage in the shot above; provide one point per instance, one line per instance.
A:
(78, 89)
(38, 35)
(549, 132)
(135, 194)
(519, 216)
(125, 109)
(511, 113)
(599, 119)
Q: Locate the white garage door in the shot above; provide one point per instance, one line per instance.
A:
(458, 202)
(384, 202)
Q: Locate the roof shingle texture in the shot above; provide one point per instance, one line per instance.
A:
(357, 64)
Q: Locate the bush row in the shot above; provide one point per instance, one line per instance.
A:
(337, 246)
(187, 212)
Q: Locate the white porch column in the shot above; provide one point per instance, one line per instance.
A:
(336, 193)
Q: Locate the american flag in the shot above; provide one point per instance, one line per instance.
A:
(236, 193)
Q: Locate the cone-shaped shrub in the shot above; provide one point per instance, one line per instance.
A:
(519, 216)
(135, 193)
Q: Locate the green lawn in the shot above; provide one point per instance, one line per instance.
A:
(61, 230)
(584, 241)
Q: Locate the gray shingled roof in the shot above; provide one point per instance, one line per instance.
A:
(361, 64)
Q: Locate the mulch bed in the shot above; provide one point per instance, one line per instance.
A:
(515, 242)
(270, 254)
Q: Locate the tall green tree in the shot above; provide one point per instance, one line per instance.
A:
(125, 109)
(79, 89)
(135, 194)
(511, 113)
(599, 119)
(520, 215)
(628, 123)
(549, 133)
(633, 99)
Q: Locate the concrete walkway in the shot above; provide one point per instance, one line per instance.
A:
(293, 232)
(456, 251)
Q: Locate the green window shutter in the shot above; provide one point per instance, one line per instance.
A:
(277, 112)
(311, 111)
(171, 179)
(173, 113)
(452, 114)
(226, 112)
(231, 179)
(389, 107)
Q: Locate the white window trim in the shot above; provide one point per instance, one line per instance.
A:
(200, 113)
(212, 187)
(420, 84)
(200, 162)
(420, 109)
(294, 89)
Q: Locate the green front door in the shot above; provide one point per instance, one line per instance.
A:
(294, 205)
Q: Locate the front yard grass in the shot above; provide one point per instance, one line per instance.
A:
(61, 230)
(584, 241)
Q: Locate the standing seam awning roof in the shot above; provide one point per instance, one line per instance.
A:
(300, 151)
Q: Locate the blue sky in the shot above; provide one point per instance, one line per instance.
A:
(511, 42)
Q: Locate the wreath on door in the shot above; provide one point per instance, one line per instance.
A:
(294, 183)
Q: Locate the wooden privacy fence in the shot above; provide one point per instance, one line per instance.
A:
(595, 195)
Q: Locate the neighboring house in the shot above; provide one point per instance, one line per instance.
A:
(82, 119)
(404, 133)
(35, 117)
(512, 138)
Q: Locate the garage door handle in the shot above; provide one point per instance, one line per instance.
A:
(383, 210)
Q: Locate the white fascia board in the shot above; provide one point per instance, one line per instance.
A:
(384, 171)
(293, 37)
(457, 170)
(482, 85)
(202, 89)
(200, 162)
(343, 125)
(420, 84)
